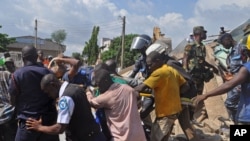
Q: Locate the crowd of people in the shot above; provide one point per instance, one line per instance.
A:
(58, 95)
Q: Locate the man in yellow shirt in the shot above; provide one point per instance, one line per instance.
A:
(166, 83)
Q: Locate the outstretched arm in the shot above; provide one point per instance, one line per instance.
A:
(238, 79)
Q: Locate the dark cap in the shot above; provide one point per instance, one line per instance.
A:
(199, 29)
(246, 29)
(29, 51)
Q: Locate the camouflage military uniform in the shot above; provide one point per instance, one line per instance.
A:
(196, 54)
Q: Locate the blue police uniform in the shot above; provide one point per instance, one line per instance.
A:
(32, 102)
(243, 112)
(140, 66)
(235, 60)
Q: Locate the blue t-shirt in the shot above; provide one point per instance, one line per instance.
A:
(243, 113)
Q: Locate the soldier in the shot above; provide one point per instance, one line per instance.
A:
(194, 63)
(194, 59)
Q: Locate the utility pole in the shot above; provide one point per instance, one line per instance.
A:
(36, 33)
(123, 37)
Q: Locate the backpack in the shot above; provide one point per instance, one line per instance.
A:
(192, 91)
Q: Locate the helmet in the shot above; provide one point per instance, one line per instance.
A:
(158, 46)
(141, 41)
(155, 47)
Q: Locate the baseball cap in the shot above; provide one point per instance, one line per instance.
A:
(198, 29)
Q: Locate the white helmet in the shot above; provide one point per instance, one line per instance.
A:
(158, 46)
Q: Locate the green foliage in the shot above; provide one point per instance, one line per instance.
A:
(59, 36)
(114, 51)
(77, 55)
(91, 48)
(4, 41)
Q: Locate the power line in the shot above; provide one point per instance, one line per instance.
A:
(114, 25)
(107, 24)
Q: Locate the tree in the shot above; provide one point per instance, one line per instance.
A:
(59, 36)
(77, 55)
(114, 51)
(91, 48)
(4, 41)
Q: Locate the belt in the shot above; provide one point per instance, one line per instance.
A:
(21, 121)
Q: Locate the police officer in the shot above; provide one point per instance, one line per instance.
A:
(235, 60)
(29, 99)
(140, 44)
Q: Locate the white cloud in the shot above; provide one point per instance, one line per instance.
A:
(141, 6)
(206, 5)
(78, 17)
(213, 14)
(71, 48)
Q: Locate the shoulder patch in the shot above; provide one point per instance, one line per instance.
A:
(188, 47)
(63, 104)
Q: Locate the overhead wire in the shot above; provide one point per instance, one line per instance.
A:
(77, 33)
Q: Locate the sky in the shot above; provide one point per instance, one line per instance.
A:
(175, 18)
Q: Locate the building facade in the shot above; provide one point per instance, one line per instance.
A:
(46, 45)
(105, 44)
